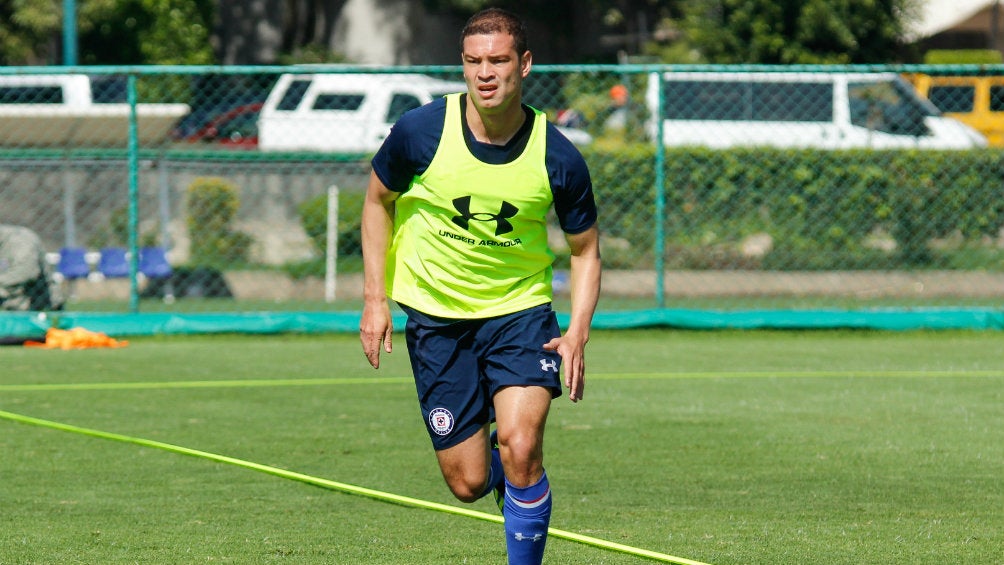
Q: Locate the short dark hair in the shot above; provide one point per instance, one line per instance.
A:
(496, 20)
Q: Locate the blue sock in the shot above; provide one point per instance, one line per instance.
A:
(495, 473)
(527, 514)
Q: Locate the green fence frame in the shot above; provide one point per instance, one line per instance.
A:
(134, 154)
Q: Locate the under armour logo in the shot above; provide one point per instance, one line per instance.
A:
(548, 365)
(502, 225)
(521, 537)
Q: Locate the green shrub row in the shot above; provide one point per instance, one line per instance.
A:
(820, 208)
(856, 209)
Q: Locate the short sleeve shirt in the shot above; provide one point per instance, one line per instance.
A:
(413, 141)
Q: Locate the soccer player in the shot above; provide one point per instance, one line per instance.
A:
(454, 230)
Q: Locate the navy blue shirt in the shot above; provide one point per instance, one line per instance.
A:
(414, 139)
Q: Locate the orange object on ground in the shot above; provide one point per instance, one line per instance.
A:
(75, 338)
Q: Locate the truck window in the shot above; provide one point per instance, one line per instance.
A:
(997, 98)
(339, 101)
(887, 107)
(293, 95)
(400, 104)
(952, 98)
(109, 89)
(31, 95)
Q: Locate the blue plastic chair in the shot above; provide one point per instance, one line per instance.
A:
(114, 263)
(73, 263)
(560, 282)
(153, 263)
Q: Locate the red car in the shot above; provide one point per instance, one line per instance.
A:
(236, 128)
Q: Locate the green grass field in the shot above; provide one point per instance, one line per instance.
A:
(761, 447)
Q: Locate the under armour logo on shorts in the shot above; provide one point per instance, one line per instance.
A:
(548, 365)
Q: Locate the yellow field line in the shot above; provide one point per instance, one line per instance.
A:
(797, 374)
(236, 383)
(251, 383)
(342, 487)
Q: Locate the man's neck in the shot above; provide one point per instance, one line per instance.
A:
(497, 128)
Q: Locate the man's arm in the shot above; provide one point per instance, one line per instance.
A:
(585, 286)
(377, 224)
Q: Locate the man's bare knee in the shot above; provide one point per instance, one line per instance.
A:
(467, 488)
(465, 467)
(522, 458)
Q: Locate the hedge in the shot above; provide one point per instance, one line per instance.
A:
(819, 207)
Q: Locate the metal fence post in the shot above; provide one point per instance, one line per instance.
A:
(660, 201)
(132, 156)
(331, 253)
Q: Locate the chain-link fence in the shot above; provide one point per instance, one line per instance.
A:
(196, 189)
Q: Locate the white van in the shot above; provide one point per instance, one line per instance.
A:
(350, 113)
(61, 111)
(800, 110)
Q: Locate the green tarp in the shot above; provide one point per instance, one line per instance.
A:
(33, 324)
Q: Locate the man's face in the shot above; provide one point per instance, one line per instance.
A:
(494, 71)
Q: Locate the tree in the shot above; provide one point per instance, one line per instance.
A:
(153, 32)
(797, 31)
(576, 30)
(26, 32)
(110, 31)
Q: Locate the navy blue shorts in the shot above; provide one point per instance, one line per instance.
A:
(459, 365)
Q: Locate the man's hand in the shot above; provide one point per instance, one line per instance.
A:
(377, 220)
(572, 349)
(585, 275)
(376, 326)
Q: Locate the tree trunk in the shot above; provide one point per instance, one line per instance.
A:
(256, 32)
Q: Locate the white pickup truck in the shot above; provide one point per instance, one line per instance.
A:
(60, 111)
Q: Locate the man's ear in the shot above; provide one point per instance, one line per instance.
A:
(525, 62)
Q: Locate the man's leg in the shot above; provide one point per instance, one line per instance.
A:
(521, 413)
(444, 361)
(468, 467)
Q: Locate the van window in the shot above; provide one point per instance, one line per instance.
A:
(337, 101)
(293, 95)
(701, 100)
(794, 102)
(31, 95)
(886, 107)
(997, 98)
(952, 98)
(400, 104)
(748, 101)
